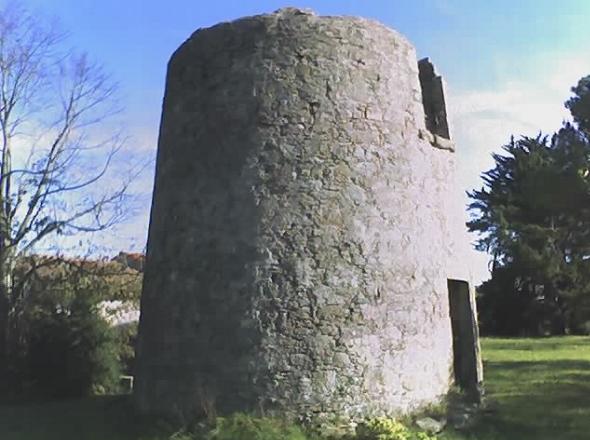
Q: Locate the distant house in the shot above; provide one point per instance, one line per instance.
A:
(132, 260)
(118, 312)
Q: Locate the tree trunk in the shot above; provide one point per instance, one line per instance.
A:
(4, 324)
(6, 268)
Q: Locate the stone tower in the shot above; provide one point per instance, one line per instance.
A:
(300, 234)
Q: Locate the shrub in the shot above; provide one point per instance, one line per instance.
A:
(181, 435)
(383, 428)
(126, 336)
(244, 427)
(62, 342)
(72, 351)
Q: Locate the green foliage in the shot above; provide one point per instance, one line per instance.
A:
(62, 343)
(509, 305)
(533, 216)
(579, 104)
(72, 351)
(241, 426)
(181, 435)
(244, 427)
(126, 336)
(384, 428)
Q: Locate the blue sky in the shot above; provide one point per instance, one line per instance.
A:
(508, 65)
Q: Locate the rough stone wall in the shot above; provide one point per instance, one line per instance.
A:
(299, 237)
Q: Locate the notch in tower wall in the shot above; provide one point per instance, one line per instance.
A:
(433, 99)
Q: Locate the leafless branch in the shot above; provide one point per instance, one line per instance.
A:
(58, 98)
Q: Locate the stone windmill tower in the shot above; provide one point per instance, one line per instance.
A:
(302, 226)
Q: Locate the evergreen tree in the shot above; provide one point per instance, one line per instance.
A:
(579, 105)
(533, 216)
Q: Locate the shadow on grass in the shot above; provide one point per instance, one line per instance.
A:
(549, 344)
(539, 400)
(93, 418)
(534, 400)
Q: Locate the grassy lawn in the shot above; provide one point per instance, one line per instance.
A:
(96, 418)
(539, 389)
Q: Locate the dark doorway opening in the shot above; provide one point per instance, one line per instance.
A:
(466, 353)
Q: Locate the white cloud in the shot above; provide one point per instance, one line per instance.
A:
(484, 119)
(136, 158)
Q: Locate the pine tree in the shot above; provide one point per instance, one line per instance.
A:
(533, 216)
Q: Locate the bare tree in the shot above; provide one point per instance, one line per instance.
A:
(53, 159)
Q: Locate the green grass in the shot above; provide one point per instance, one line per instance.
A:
(96, 418)
(539, 389)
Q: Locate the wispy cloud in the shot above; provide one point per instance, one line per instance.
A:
(484, 119)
